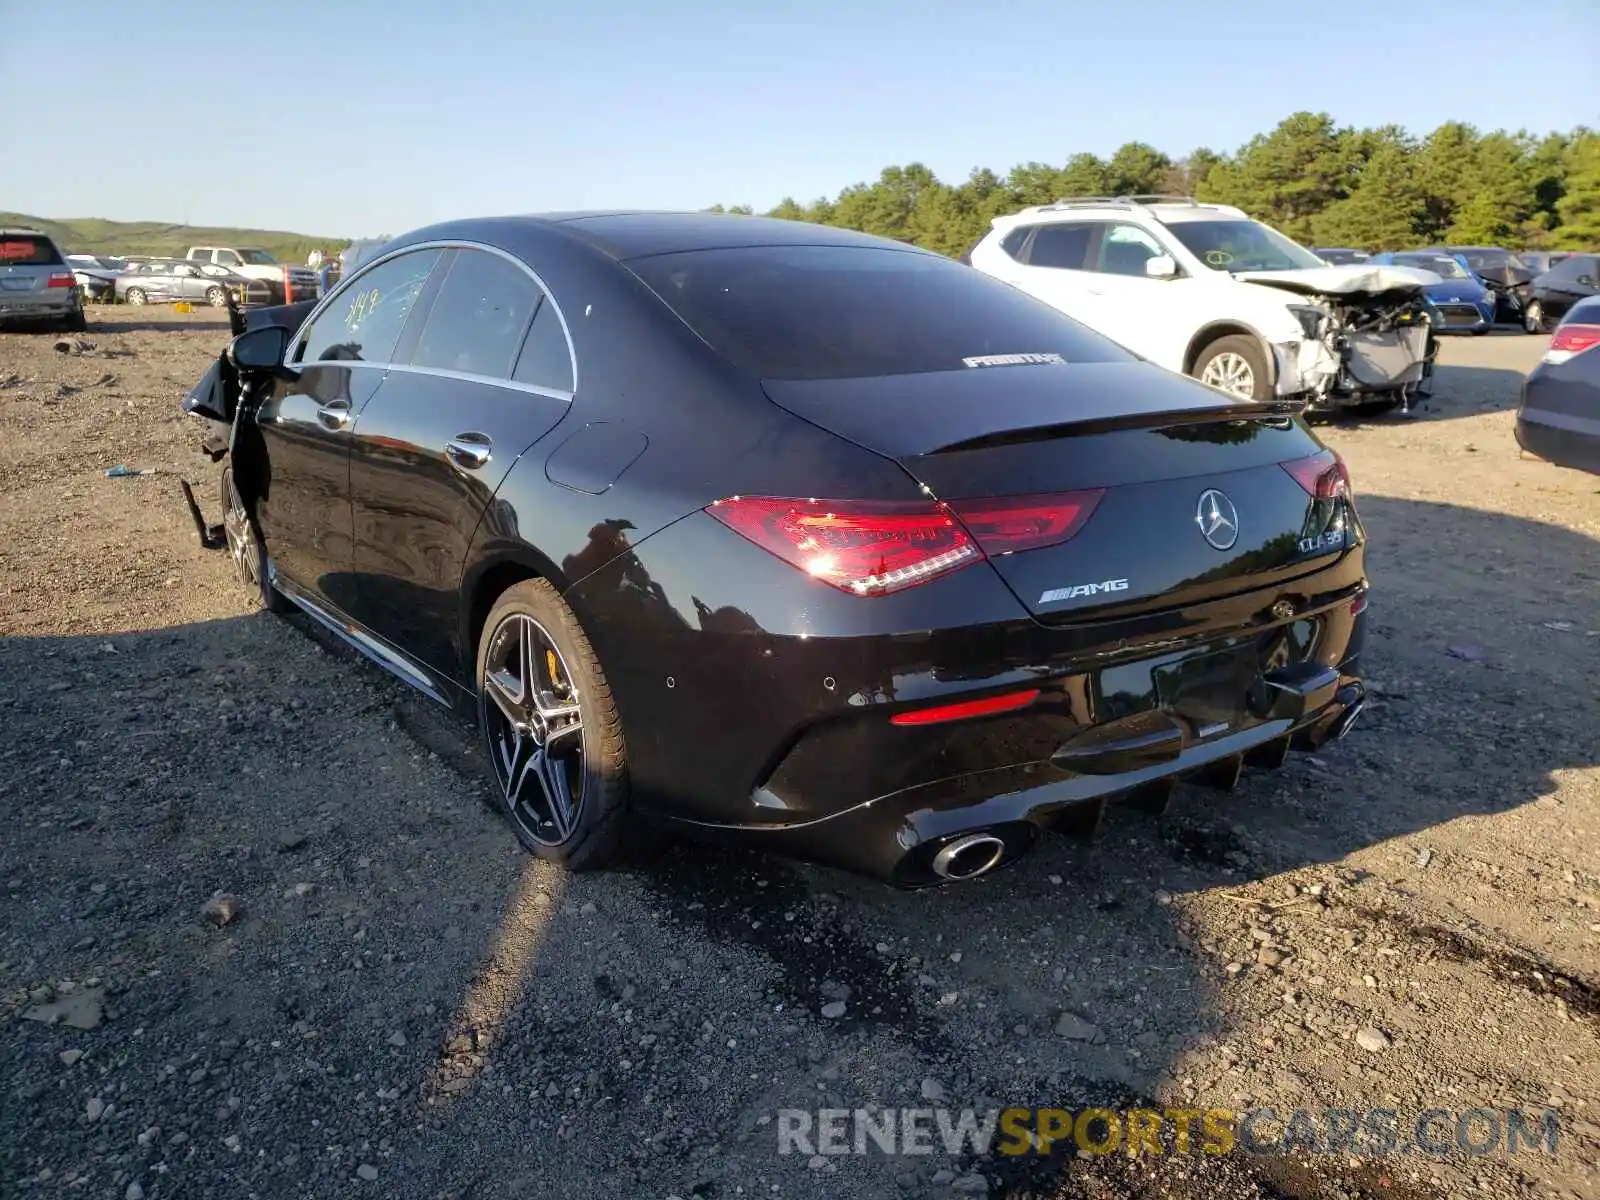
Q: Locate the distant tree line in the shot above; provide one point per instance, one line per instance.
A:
(1376, 189)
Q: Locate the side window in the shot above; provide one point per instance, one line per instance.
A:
(1124, 249)
(200, 256)
(1013, 241)
(1062, 246)
(365, 319)
(227, 258)
(478, 319)
(545, 360)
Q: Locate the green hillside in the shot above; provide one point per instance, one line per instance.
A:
(94, 235)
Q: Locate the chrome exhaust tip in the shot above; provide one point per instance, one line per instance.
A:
(970, 856)
(1355, 699)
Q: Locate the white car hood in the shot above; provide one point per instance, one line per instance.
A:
(1356, 279)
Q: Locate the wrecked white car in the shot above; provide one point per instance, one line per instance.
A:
(1372, 342)
(1204, 290)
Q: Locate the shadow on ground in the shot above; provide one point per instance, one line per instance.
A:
(406, 994)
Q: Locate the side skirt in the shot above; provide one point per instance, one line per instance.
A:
(396, 662)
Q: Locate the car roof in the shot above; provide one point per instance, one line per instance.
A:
(625, 234)
(1166, 212)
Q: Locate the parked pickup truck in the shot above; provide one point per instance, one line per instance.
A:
(258, 264)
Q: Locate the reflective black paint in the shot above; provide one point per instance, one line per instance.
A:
(752, 697)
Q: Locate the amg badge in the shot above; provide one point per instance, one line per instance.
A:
(1083, 589)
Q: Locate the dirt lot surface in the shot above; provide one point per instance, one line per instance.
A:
(403, 1006)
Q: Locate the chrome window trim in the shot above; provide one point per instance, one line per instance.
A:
(441, 372)
(453, 244)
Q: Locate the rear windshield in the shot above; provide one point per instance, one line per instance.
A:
(24, 250)
(838, 312)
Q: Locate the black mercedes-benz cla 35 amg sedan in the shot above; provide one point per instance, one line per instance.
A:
(759, 528)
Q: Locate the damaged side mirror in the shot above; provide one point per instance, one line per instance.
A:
(1161, 266)
(262, 350)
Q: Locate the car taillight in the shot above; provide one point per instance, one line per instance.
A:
(1009, 524)
(874, 547)
(1570, 340)
(62, 279)
(1323, 476)
(865, 547)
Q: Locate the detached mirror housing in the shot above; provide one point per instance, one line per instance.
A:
(262, 350)
(1161, 266)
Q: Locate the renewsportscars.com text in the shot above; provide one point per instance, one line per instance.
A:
(1375, 1132)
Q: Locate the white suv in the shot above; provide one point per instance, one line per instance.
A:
(1204, 290)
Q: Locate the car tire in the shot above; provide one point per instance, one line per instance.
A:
(1533, 318)
(246, 547)
(75, 321)
(135, 296)
(538, 755)
(216, 297)
(1237, 359)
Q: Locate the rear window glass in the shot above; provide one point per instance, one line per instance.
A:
(21, 250)
(1064, 246)
(830, 312)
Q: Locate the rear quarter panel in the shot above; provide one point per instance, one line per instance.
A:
(708, 431)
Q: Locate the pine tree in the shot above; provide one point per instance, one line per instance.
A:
(1383, 212)
(1579, 207)
(1136, 169)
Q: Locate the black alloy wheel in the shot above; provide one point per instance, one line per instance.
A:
(551, 729)
(245, 547)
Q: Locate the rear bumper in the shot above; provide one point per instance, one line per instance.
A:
(750, 718)
(1089, 738)
(60, 303)
(898, 838)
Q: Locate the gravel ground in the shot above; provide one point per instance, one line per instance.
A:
(312, 963)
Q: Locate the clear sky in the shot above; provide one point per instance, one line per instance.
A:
(354, 117)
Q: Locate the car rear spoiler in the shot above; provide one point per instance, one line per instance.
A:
(1244, 410)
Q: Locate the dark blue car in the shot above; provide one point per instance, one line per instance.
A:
(1458, 304)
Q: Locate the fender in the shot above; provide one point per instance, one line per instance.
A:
(1222, 328)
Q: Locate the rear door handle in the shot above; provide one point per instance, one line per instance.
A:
(335, 414)
(469, 451)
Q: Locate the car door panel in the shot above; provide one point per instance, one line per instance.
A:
(1142, 313)
(342, 356)
(158, 284)
(487, 372)
(186, 283)
(304, 505)
(416, 508)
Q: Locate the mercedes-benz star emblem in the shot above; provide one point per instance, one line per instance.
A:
(1218, 519)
